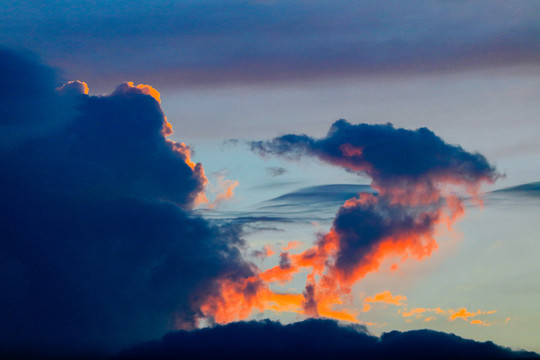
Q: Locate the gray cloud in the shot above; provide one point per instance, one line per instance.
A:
(191, 42)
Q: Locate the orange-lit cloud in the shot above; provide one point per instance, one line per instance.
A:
(464, 314)
(226, 191)
(184, 152)
(221, 192)
(416, 311)
(130, 88)
(292, 245)
(74, 87)
(148, 90)
(387, 298)
(480, 322)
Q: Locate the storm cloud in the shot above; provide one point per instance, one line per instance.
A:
(99, 249)
(385, 153)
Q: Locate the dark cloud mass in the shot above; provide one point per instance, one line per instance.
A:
(384, 153)
(315, 339)
(97, 248)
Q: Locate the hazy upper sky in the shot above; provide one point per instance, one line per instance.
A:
(232, 73)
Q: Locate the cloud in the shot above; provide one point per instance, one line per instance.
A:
(186, 43)
(99, 249)
(385, 154)
(387, 298)
(418, 312)
(74, 87)
(266, 251)
(223, 190)
(315, 339)
(465, 314)
(452, 314)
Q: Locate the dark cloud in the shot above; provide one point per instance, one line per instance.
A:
(385, 153)
(98, 249)
(310, 302)
(284, 260)
(190, 42)
(362, 227)
(315, 339)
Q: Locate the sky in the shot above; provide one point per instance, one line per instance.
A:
(337, 167)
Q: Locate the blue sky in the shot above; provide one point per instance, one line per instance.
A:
(232, 72)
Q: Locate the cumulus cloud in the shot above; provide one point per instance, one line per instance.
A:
(99, 249)
(391, 157)
(315, 339)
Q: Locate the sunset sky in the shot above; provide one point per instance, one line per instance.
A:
(174, 165)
